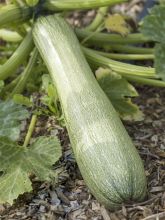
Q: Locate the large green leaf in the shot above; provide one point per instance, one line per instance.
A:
(120, 92)
(154, 28)
(17, 164)
(160, 60)
(10, 116)
(154, 24)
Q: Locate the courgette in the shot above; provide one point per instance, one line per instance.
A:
(106, 156)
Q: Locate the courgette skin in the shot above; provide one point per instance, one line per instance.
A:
(106, 156)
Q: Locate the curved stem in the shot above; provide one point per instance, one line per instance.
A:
(62, 5)
(110, 38)
(9, 87)
(117, 56)
(14, 14)
(97, 20)
(30, 130)
(25, 75)
(123, 68)
(128, 49)
(17, 58)
(144, 81)
(10, 36)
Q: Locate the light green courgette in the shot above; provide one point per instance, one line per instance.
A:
(106, 156)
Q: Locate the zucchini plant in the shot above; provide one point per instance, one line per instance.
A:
(91, 104)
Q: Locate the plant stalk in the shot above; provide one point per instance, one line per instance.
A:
(17, 58)
(117, 56)
(104, 38)
(14, 14)
(98, 19)
(30, 130)
(26, 74)
(128, 49)
(98, 60)
(9, 87)
(144, 81)
(65, 5)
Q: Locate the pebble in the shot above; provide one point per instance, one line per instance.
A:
(2, 209)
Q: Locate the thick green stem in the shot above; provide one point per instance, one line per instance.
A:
(98, 19)
(117, 56)
(30, 130)
(110, 38)
(98, 60)
(17, 58)
(14, 14)
(128, 49)
(62, 5)
(144, 81)
(10, 36)
(25, 75)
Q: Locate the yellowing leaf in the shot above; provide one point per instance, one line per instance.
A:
(116, 23)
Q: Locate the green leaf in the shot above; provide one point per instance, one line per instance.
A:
(154, 24)
(160, 60)
(10, 116)
(22, 100)
(17, 164)
(13, 184)
(51, 99)
(120, 92)
(32, 2)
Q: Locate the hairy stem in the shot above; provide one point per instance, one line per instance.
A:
(14, 14)
(117, 56)
(30, 130)
(128, 49)
(62, 5)
(98, 60)
(110, 38)
(26, 74)
(9, 87)
(144, 81)
(17, 58)
(98, 19)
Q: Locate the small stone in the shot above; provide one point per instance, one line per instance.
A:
(154, 138)
(42, 209)
(162, 146)
(2, 208)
